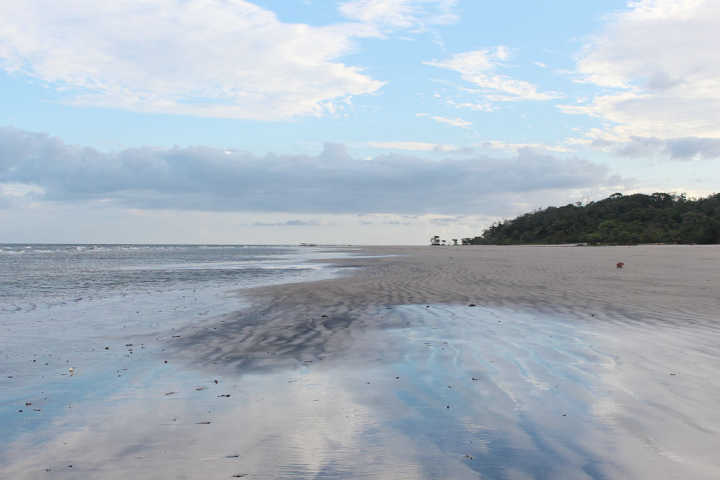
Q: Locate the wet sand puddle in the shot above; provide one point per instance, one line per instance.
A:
(457, 392)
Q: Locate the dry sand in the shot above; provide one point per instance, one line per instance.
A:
(657, 282)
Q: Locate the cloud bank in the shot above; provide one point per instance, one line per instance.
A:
(333, 182)
(213, 58)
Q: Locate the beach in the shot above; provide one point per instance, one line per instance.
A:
(406, 362)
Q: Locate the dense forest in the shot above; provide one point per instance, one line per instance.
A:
(618, 219)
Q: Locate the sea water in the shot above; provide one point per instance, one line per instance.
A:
(61, 304)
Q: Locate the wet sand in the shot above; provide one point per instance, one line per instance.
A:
(563, 367)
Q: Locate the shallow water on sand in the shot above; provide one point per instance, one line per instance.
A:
(447, 392)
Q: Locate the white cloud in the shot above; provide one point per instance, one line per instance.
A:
(660, 65)
(215, 58)
(479, 67)
(404, 14)
(455, 122)
(476, 107)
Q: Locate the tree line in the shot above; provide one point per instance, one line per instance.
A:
(616, 220)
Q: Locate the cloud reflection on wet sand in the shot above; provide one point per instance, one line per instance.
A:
(448, 392)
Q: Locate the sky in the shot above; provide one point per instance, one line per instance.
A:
(344, 121)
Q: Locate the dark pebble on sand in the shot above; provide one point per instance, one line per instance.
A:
(447, 406)
(107, 348)
(471, 305)
(215, 381)
(225, 395)
(202, 423)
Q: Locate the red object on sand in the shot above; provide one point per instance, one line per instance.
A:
(620, 265)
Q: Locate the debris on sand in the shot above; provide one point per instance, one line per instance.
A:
(202, 423)
(224, 395)
(170, 393)
(472, 305)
